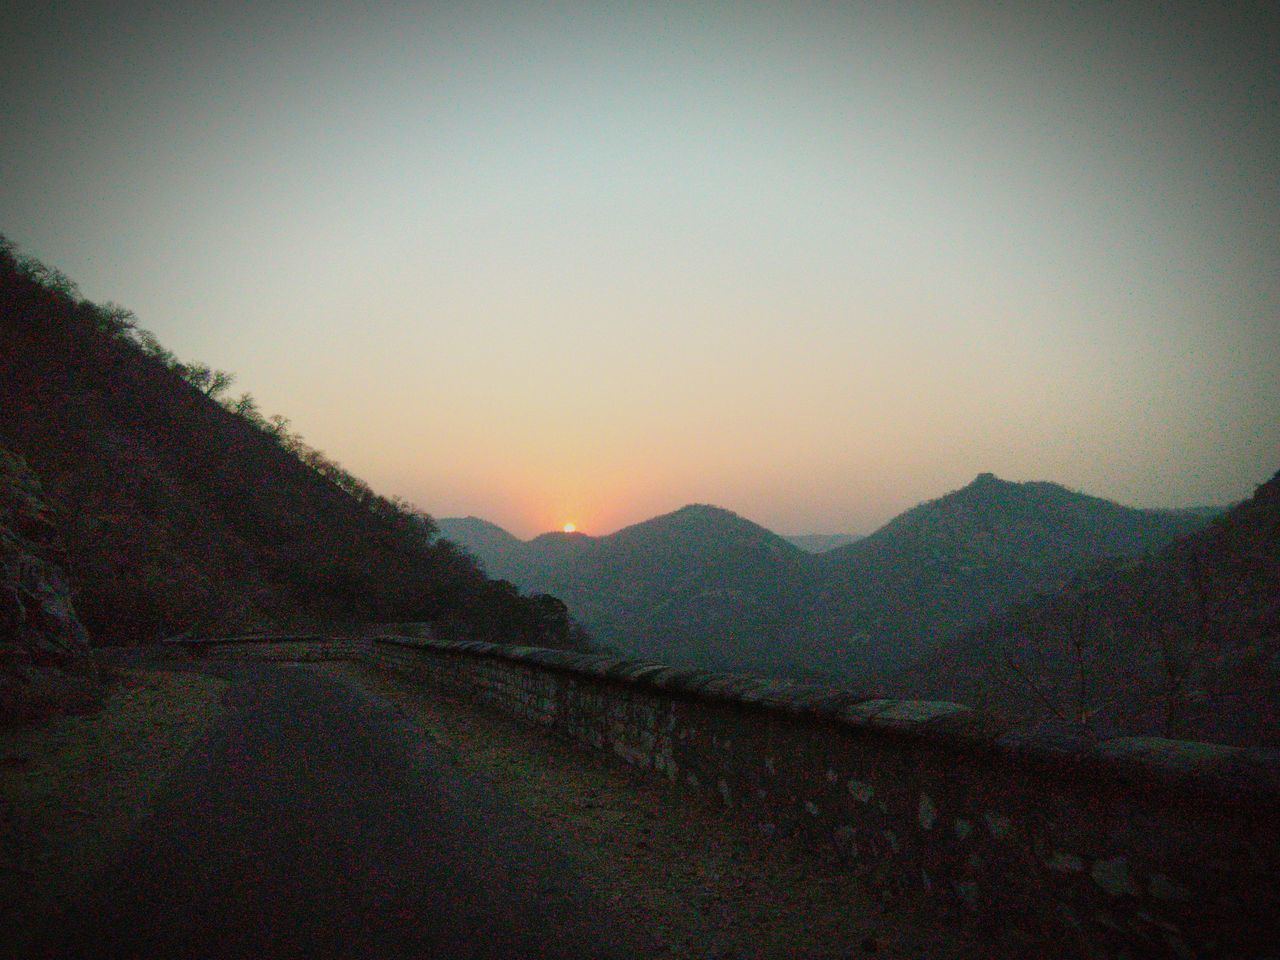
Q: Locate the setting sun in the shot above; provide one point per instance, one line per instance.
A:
(570, 528)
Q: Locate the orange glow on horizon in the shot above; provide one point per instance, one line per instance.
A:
(570, 528)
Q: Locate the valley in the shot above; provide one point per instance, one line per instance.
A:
(705, 587)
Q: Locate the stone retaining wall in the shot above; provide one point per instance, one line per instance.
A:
(1129, 848)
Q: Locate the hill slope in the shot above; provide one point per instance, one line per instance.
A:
(501, 552)
(700, 585)
(1185, 643)
(180, 515)
(705, 587)
(946, 564)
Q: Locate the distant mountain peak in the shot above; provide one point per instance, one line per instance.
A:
(692, 514)
(475, 521)
(987, 488)
(704, 510)
(699, 519)
(701, 506)
(470, 530)
(988, 483)
(562, 536)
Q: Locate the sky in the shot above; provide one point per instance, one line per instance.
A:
(589, 262)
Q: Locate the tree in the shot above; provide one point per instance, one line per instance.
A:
(49, 277)
(150, 345)
(115, 320)
(551, 620)
(245, 406)
(210, 382)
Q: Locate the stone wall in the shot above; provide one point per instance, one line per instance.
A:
(1128, 848)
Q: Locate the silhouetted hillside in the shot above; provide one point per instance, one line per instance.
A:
(1185, 643)
(700, 585)
(181, 515)
(665, 587)
(500, 552)
(705, 587)
(944, 565)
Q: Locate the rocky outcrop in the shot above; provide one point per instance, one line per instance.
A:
(46, 665)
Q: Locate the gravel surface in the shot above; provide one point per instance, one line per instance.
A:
(690, 880)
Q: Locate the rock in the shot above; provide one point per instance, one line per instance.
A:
(46, 665)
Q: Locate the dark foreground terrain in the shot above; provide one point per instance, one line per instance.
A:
(315, 821)
(335, 810)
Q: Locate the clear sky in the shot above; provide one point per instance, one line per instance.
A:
(549, 263)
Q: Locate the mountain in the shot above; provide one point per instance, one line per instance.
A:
(494, 547)
(663, 587)
(504, 555)
(821, 542)
(1183, 643)
(703, 586)
(700, 586)
(178, 514)
(944, 565)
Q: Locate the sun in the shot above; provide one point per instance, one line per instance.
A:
(570, 528)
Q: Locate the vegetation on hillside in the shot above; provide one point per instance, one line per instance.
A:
(705, 587)
(1183, 643)
(945, 565)
(183, 514)
(700, 586)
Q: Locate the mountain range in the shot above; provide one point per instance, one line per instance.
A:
(705, 587)
(1183, 642)
(175, 511)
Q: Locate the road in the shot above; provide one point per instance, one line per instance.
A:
(315, 821)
